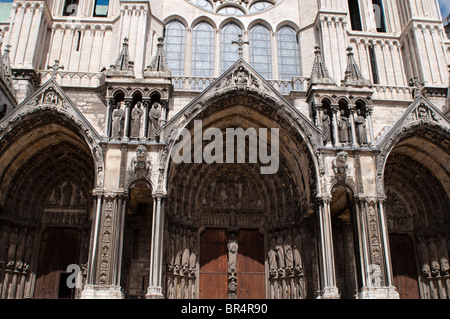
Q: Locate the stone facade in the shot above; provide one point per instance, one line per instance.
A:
(95, 99)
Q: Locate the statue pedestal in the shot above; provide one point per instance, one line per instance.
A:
(102, 292)
(377, 293)
(330, 293)
(154, 293)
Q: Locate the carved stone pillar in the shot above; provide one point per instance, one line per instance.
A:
(104, 265)
(374, 251)
(369, 111)
(351, 107)
(146, 104)
(126, 132)
(335, 110)
(328, 274)
(232, 246)
(108, 120)
(154, 290)
(163, 120)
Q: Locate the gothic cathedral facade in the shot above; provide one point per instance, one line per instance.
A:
(99, 100)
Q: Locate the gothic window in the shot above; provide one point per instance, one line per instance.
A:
(379, 15)
(203, 50)
(70, 8)
(230, 52)
(355, 17)
(231, 11)
(101, 8)
(288, 56)
(175, 38)
(260, 6)
(260, 51)
(204, 4)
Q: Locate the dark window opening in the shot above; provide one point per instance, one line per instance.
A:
(70, 8)
(101, 8)
(379, 15)
(373, 64)
(78, 41)
(355, 17)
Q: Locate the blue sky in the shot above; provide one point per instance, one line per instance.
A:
(445, 8)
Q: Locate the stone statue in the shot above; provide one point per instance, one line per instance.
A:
(443, 255)
(280, 251)
(232, 255)
(288, 250)
(297, 252)
(423, 252)
(340, 163)
(117, 122)
(326, 125)
(343, 127)
(360, 122)
(272, 255)
(136, 114)
(434, 258)
(154, 115)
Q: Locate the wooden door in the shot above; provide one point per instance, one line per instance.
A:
(60, 247)
(404, 266)
(250, 265)
(213, 279)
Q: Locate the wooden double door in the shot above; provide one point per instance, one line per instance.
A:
(213, 281)
(60, 247)
(404, 266)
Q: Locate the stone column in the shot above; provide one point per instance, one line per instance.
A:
(146, 103)
(369, 111)
(108, 122)
(106, 247)
(374, 250)
(155, 288)
(126, 131)
(335, 110)
(328, 274)
(392, 291)
(351, 107)
(163, 118)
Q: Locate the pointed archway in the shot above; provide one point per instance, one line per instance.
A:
(48, 170)
(417, 187)
(228, 220)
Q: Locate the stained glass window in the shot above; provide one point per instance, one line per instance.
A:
(175, 38)
(230, 52)
(288, 56)
(203, 50)
(260, 51)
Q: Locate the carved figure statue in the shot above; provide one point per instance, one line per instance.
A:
(232, 255)
(443, 255)
(435, 267)
(326, 125)
(280, 251)
(154, 115)
(272, 255)
(360, 122)
(343, 127)
(423, 252)
(117, 123)
(340, 163)
(136, 114)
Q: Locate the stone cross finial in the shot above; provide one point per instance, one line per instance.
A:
(240, 43)
(55, 67)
